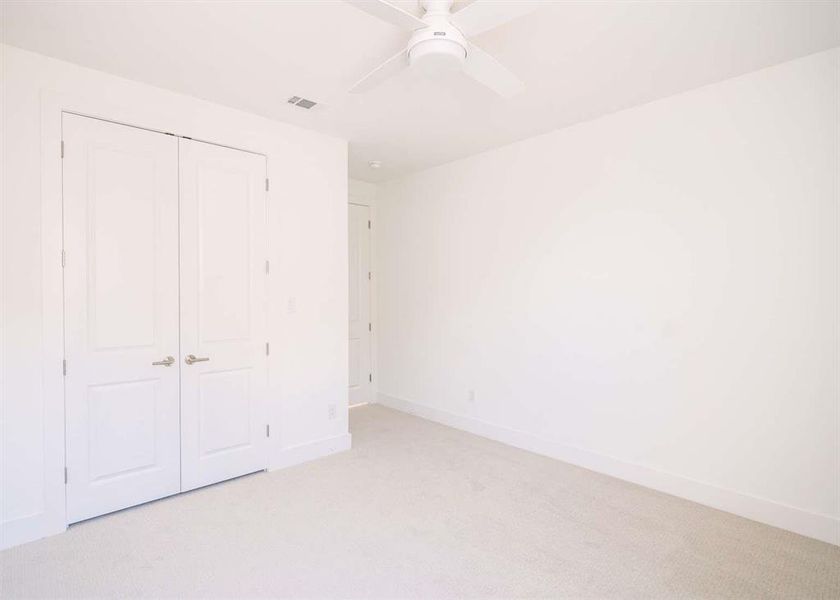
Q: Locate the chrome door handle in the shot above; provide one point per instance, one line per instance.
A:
(166, 362)
(191, 358)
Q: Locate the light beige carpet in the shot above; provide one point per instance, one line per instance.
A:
(419, 510)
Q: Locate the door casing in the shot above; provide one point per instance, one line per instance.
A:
(50, 517)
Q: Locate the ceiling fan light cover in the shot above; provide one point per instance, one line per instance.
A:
(438, 54)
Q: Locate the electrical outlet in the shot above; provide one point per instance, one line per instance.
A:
(331, 411)
(470, 396)
(291, 307)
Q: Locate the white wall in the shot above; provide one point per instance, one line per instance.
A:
(308, 239)
(653, 294)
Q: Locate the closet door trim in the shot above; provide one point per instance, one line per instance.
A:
(51, 518)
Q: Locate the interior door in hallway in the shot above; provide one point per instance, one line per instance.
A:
(223, 313)
(360, 325)
(120, 191)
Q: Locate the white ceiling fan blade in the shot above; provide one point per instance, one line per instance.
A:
(489, 72)
(483, 15)
(388, 12)
(390, 67)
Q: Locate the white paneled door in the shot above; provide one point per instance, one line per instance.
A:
(121, 316)
(359, 252)
(165, 314)
(223, 313)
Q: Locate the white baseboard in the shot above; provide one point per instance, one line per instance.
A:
(295, 455)
(28, 529)
(37, 526)
(821, 527)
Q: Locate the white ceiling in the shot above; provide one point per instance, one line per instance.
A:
(579, 60)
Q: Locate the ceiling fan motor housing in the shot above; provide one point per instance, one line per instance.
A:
(440, 42)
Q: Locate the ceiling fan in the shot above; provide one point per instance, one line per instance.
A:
(439, 40)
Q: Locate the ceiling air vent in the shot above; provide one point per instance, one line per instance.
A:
(302, 102)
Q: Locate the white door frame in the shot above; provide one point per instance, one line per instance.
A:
(53, 518)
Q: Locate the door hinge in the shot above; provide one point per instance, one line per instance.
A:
(64, 367)
(368, 275)
(370, 326)
(266, 184)
(266, 267)
(266, 349)
(368, 223)
(62, 148)
(370, 377)
(268, 430)
(65, 475)
(63, 259)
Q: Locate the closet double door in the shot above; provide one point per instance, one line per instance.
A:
(164, 314)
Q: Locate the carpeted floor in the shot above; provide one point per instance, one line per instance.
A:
(419, 510)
